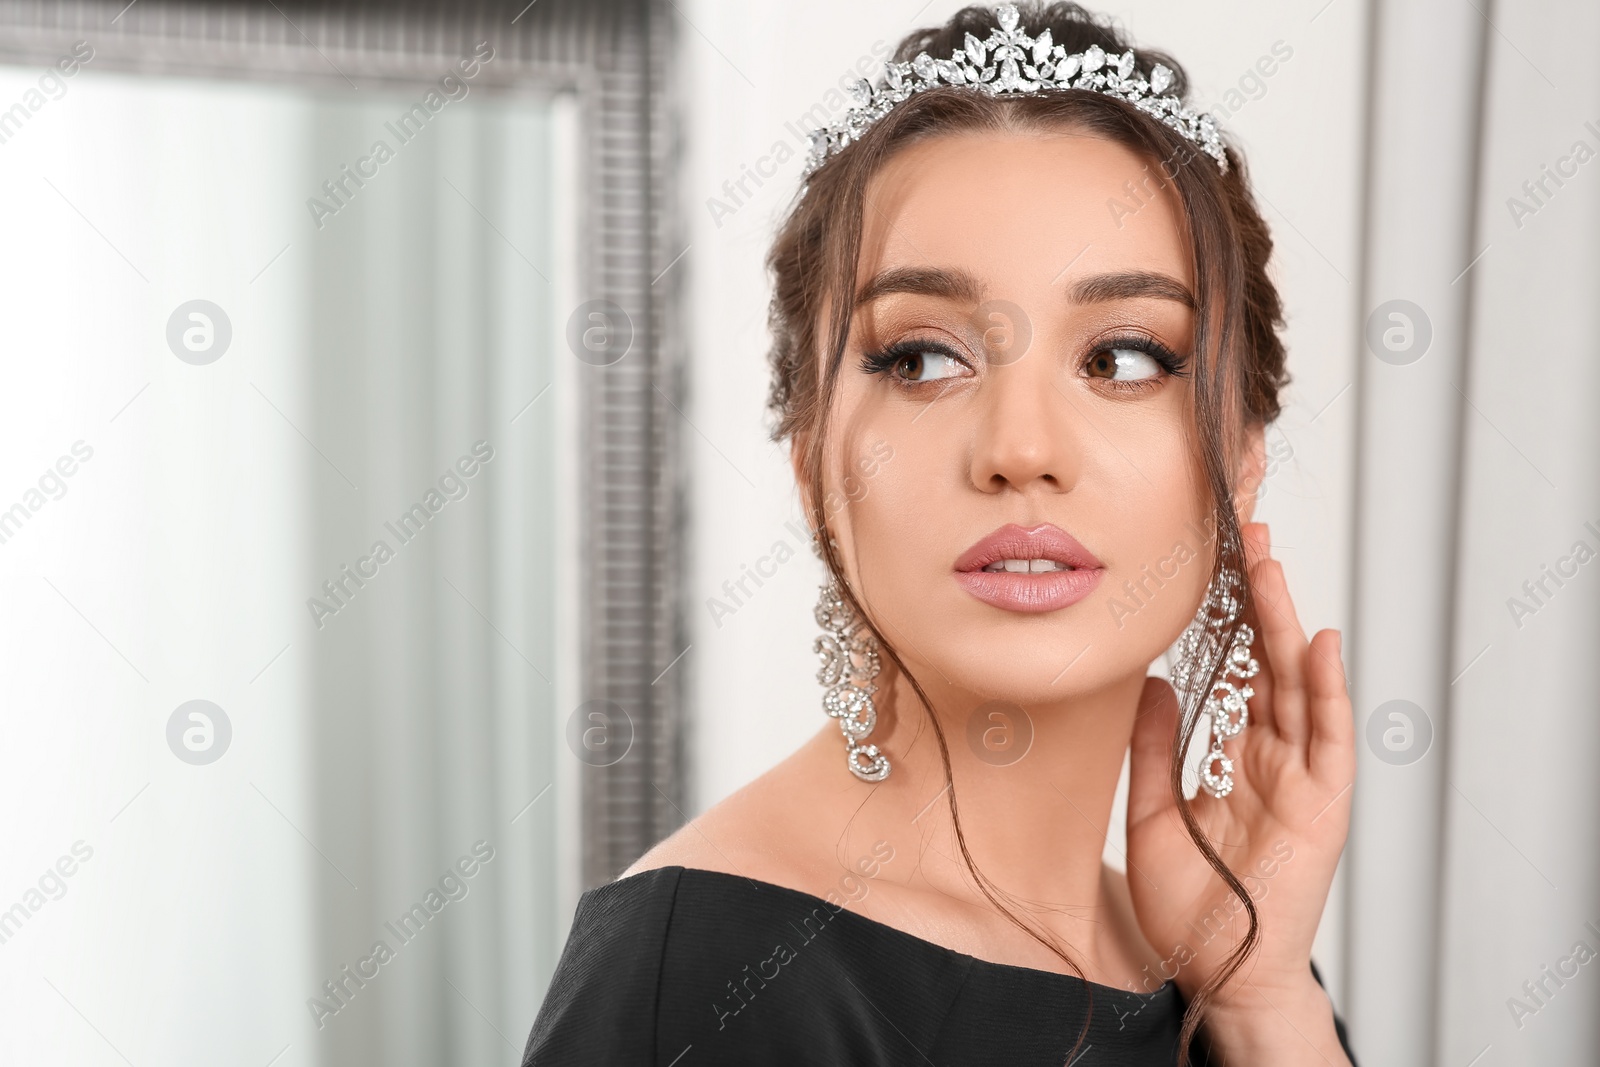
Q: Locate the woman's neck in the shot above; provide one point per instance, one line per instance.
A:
(1033, 788)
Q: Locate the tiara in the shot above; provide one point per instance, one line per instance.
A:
(1011, 62)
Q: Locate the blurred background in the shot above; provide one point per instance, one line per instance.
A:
(384, 416)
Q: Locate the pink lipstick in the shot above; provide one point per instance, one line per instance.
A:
(1029, 570)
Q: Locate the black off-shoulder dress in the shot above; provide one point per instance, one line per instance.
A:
(680, 967)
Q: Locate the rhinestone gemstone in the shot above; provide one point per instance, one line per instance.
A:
(1233, 711)
(850, 663)
(876, 767)
(1041, 47)
(975, 51)
(833, 659)
(1001, 64)
(1218, 782)
(1010, 77)
(1199, 647)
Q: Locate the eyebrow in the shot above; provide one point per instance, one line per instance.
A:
(1127, 285)
(957, 284)
(950, 283)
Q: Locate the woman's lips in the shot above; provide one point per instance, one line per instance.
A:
(1068, 571)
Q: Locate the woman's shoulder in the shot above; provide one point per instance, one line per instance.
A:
(610, 969)
(745, 971)
(760, 832)
(652, 954)
(687, 846)
(670, 957)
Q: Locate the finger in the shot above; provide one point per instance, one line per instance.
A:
(1257, 543)
(1150, 753)
(1285, 644)
(1256, 549)
(1332, 755)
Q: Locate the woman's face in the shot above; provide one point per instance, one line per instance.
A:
(1017, 367)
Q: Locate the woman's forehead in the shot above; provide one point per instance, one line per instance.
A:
(1022, 211)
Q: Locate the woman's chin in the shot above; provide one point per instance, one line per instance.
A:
(1030, 670)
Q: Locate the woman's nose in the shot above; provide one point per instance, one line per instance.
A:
(1026, 434)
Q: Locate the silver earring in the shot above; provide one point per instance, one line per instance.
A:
(1227, 705)
(849, 654)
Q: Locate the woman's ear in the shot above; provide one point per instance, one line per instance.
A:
(1251, 473)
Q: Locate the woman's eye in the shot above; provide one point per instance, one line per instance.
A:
(926, 366)
(1123, 364)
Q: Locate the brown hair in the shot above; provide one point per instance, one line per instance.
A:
(1239, 358)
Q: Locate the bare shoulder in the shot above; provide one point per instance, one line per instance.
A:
(744, 834)
(687, 846)
(758, 831)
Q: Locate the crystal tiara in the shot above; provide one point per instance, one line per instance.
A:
(1011, 62)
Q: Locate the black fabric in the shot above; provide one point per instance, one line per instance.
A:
(679, 967)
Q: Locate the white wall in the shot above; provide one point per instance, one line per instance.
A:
(1522, 799)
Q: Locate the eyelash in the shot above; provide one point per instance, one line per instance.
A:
(883, 363)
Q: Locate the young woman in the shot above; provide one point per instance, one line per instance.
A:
(1025, 353)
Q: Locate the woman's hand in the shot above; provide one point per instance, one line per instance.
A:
(1280, 830)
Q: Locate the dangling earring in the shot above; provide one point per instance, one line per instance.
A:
(1227, 704)
(849, 653)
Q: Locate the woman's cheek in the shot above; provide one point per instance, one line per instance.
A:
(895, 521)
(1164, 549)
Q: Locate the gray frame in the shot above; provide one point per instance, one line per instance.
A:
(613, 54)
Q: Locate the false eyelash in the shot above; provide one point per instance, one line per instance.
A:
(1171, 362)
(882, 362)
